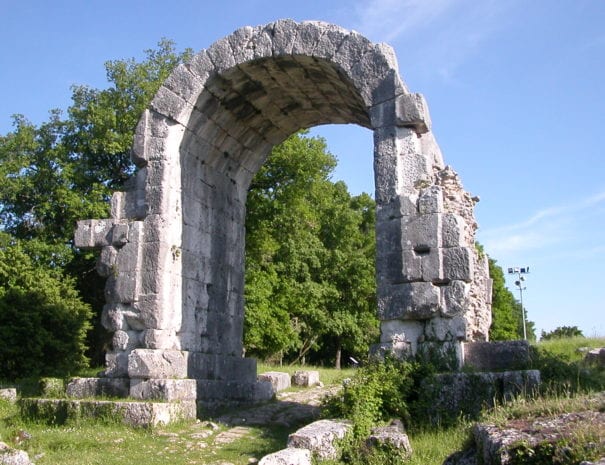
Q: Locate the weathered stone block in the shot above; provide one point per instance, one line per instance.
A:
(120, 287)
(392, 436)
(458, 264)
(452, 230)
(80, 388)
(421, 233)
(497, 355)
(305, 378)
(320, 437)
(289, 456)
(221, 367)
(160, 339)
(412, 111)
(126, 340)
(430, 200)
(445, 329)
(116, 365)
(93, 233)
(137, 414)
(411, 268)
(410, 301)
(164, 389)
(278, 379)
(432, 265)
(212, 392)
(106, 264)
(455, 298)
(149, 363)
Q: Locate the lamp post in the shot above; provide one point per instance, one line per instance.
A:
(520, 271)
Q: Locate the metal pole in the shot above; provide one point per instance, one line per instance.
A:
(522, 308)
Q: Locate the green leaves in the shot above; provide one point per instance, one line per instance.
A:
(43, 322)
(309, 256)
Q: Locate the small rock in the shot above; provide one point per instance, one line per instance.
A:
(9, 394)
(211, 425)
(14, 457)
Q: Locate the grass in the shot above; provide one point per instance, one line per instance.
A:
(328, 376)
(106, 442)
(570, 348)
(91, 442)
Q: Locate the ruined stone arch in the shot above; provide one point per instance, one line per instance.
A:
(173, 249)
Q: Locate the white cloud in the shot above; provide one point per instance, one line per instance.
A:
(564, 223)
(439, 35)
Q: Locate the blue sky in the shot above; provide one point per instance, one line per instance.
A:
(516, 91)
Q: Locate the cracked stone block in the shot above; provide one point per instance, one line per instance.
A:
(150, 363)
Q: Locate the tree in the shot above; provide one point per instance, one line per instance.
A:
(67, 168)
(43, 321)
(507, 313)
(562, 332)
(309, 258)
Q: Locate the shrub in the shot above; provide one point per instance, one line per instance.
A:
(378, 391)
(43, 322)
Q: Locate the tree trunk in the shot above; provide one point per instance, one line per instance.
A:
(338, 357)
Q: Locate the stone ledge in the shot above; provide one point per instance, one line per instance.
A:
(138, 414)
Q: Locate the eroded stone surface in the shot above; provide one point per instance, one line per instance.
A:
(320, 437)
(278, 379)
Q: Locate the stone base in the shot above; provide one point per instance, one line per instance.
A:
(496, 356)
(449, 396)
(138, 414)
(213, 395)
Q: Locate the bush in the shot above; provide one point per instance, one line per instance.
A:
(43, 322)
(378, 391)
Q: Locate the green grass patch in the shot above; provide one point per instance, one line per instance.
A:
(328, 376)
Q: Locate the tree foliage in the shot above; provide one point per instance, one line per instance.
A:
(310, 258)
(66, 168)
(310, 279)
(507, 314)
(561, 332)
(43, 321)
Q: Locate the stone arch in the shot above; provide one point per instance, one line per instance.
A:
(174, 247)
